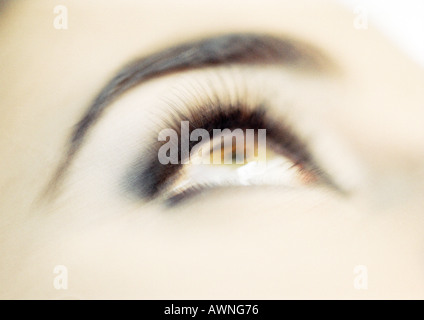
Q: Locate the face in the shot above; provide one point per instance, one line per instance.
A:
(337, 212)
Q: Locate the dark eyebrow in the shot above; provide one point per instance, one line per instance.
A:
(220, 50)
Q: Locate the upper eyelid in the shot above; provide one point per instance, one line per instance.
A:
(226, 49)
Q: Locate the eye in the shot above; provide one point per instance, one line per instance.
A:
(241, 145)
(246, 167)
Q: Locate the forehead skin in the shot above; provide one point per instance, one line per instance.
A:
(304, 244)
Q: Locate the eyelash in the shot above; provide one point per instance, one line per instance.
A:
(148, 178)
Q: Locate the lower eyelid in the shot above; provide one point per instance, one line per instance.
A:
(197, 177)
(200, 194)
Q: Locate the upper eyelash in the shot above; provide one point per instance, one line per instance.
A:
(148, 177)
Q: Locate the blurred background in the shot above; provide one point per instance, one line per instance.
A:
(401, 21)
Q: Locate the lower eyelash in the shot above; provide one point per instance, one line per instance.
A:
(185, 195)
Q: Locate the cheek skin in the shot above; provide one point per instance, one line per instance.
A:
(259, 243)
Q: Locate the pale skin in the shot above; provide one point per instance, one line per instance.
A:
(235, 243)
